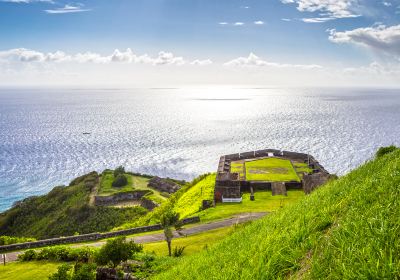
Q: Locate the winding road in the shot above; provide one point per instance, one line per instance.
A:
(154, 237)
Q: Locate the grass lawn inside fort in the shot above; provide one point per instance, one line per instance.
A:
(134, 183)
(267, 169)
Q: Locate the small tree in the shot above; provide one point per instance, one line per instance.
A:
(168, 220)
(385, 150)
(120, 181)
(117, 250)
(119, 170)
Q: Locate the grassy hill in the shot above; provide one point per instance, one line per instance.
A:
(64, 211)
(348, 229)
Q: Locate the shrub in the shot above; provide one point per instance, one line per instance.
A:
(28, 255)
(120, 170)
(178, 251)
(63, 273)
(7, 240)
(385, 150)
(59, 253)
(80, 272)
(117, 250)
(84, 271)
(120, 181)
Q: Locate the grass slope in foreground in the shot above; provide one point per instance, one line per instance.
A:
(348, 229)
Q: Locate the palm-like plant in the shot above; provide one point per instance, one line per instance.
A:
(169, 220)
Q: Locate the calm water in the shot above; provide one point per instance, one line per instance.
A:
(181, 132)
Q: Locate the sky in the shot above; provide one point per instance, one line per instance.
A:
(200, 42)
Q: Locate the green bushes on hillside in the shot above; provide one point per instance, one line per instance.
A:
(385, 150)
(64, 211)
(347, 229)
(7, 240)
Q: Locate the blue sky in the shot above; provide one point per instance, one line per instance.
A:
(326, 33)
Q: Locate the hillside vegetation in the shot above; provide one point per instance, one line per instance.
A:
(348, 229)
(64, 211)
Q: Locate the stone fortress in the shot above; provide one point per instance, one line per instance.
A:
(230, 185)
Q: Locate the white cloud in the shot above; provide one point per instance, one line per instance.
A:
(379, 38)
(259, 22)
(387, 4)
(26, 55)
(333, 9)
(286, 19)
(222, 23)
(201, 62)
(127, 56)
(316, 20)
(67, 9)
(253, 60)
(239, 23)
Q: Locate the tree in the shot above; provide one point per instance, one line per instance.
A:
(168, 220)
(120, 170)
(385, 150)
(120, 181)
(117, 250)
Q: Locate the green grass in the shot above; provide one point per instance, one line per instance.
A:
(271, 170)
(193, 243)
(35, 270)
(264, 202)
(347, 229)
(106, 187)
(191, 201)
(64, 211)
(301, 167)
(134, 183)
(238, 167)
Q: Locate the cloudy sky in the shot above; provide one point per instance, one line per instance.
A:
(200, 42)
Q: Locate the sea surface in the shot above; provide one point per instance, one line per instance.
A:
(181, 132)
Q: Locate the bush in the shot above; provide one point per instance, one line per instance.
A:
(59, 253)
(80, 272)
(120, 181)
(7, 240)
(63, 273)
(385, 150)
(120, 170)
(117, 250)
(178, 251)
(84, 271)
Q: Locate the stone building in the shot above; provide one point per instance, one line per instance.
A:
(230, 185)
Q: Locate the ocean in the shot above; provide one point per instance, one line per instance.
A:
(50, 136)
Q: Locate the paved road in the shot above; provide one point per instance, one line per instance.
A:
(241, 218)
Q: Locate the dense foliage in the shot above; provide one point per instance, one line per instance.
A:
(59, 253)
(120, 181)
(64, 211)
(386, 150)
(7, 240)
(116, 251)
(120, 170)
(348, 229)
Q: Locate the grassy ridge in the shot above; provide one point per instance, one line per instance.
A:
(348, 229)
(191, 201)
(64, 211)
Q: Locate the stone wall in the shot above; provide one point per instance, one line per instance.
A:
(119, 197)
(163, 185)
(313, 181)
(87, 237)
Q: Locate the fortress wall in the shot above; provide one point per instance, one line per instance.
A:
(313, 181)
(119, 197)
(87, 237)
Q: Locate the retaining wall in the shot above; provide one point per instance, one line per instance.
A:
(87, 237)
